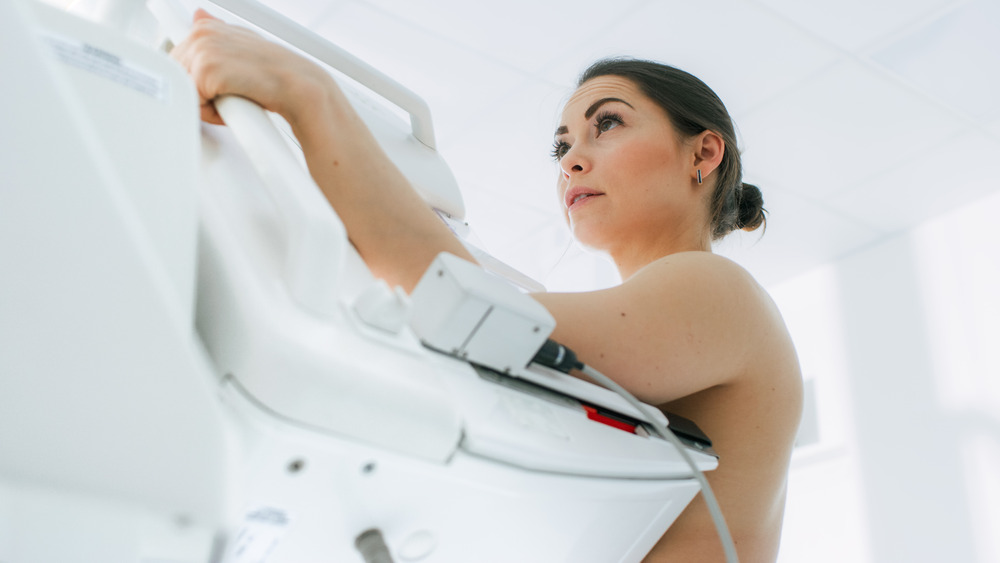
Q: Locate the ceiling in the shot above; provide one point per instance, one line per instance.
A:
(858, 118)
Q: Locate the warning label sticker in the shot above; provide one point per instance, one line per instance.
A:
(261, 532)
(106, 65)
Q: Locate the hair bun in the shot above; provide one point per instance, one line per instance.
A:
(750, 207)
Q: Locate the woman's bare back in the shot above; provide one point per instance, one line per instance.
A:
(752, 423)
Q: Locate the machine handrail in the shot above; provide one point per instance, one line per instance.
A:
(317, 240)
(317, 46)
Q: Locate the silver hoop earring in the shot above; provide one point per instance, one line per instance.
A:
(699, 176)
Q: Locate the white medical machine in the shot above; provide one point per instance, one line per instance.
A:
(196, 366)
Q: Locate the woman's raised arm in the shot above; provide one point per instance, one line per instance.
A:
(391, 226)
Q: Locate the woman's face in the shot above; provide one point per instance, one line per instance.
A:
(624, 172)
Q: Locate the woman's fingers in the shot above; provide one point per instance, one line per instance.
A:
(224, 59)
(209, 54)
(209, 114)
(184, 54)
(201, 14)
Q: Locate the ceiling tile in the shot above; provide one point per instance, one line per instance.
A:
(853, 24)
(522, 33)
(800, 235)
(506, 149)
(455, 82)
(955, 59)
(957, 171)
(839, 129)
(994, 129)
(739, 50)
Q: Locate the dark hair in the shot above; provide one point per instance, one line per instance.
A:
(693, 108)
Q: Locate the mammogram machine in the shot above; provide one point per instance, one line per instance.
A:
(196, 366)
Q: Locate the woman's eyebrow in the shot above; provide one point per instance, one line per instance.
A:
(562, 129)
(593, 107)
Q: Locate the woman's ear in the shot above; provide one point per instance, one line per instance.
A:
(708, 148)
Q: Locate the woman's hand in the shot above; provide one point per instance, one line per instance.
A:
(224, 59)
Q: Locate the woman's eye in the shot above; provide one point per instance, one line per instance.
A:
(607, 122)
(559, 150)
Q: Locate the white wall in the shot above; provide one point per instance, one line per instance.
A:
(900, 343)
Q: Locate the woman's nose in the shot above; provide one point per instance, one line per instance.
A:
(573, 162)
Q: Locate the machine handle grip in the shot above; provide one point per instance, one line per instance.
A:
(317, 239)
(336, 57)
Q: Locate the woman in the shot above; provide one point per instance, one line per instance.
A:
(650, 175)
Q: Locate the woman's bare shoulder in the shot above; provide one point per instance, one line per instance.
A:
(699, 266)
(703, 284)
(682, 324)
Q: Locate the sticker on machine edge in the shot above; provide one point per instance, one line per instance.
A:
(107, 65)
(262, 530)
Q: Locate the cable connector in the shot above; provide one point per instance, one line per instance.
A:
(556, 356)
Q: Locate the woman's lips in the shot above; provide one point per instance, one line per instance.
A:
(577, 195)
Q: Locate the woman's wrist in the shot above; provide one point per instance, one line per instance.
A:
(300, 88)
(312, 101)
(325, 122)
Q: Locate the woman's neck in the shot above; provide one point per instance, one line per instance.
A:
(632, 257)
